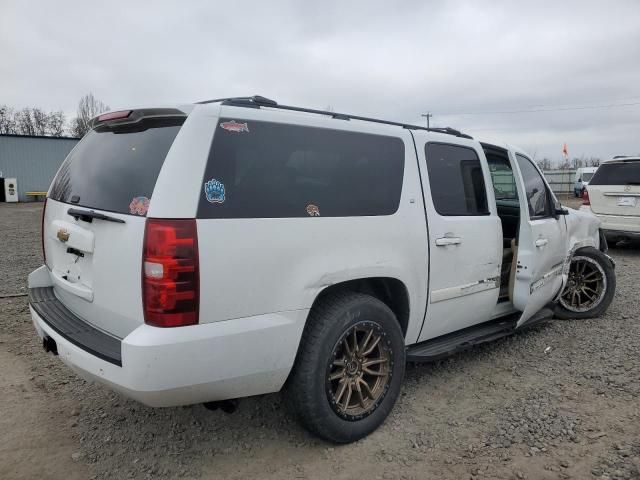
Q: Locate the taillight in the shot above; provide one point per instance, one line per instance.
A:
(44, 253)
(170, 273)
(585, 197)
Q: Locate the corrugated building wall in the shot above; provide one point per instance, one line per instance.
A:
(32, 160)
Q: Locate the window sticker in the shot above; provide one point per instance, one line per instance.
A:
(139, 206)
(234, 126)
(214, 191)
(313, 210)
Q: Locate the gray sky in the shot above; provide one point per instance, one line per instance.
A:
(389, 59)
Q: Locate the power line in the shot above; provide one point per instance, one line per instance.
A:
(562, 109)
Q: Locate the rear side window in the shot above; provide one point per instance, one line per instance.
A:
(623, 173)
(116, 170)
(270, 170)
(456, 180)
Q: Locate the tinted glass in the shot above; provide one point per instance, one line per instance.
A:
(270, 170)
(111, 170)
(623, 173)
(586, 177)
(536, 190)
(456, 179)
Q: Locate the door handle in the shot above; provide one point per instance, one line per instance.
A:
(541, 242)
(444, 241)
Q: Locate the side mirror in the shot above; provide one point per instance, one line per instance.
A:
(560, 211)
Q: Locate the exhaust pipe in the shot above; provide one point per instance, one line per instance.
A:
(49, 345)
(227, 406)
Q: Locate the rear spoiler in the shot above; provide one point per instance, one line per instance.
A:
(132, 117)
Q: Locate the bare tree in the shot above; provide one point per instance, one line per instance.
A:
(56, 124)
(24, 122)
(7, 120)
(544, 164)
(40, 121)
(88, 107)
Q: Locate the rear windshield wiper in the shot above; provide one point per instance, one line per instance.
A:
(89, 215)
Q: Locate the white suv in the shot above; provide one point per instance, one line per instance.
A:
(614, 196)
(207, 252)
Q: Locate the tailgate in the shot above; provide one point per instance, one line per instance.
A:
(93, 227)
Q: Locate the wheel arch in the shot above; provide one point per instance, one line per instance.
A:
(391, 291)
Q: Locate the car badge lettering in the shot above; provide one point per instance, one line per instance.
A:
(63, 235)
(234, 126)
(214, 191)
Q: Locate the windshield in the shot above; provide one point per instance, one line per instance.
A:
(622, 173)
(116, 170)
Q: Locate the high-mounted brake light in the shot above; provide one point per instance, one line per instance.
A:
(114, 115)
(585, 197)
(170, 273)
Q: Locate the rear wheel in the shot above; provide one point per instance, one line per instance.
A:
(590, 287)
(349, 367)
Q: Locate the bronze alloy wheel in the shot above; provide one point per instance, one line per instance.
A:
(359, 371)
(586, 286)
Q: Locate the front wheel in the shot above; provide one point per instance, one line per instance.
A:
(349, 367)
(590, 287)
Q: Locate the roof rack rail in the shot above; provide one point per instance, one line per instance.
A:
(258, 101)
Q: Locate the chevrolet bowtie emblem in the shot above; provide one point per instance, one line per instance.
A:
(63, 235)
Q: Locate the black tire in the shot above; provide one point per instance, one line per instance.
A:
(565, 311)
(309, 389)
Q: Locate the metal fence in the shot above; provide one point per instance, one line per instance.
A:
(561, 181)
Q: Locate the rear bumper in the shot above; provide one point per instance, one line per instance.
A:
(618, 227)
(164, 367)
(618, 235)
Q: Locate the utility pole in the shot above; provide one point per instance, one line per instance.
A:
(427, 115)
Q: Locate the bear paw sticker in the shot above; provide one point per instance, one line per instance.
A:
(214, 191)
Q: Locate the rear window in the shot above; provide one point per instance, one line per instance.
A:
(586, 177)
(270, 170)
(623, 173)
(116, 169)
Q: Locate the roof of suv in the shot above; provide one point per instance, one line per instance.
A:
(258, 101)
(621, 158)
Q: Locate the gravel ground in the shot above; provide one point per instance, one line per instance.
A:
(513, 409)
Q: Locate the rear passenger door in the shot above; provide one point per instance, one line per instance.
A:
(542, 243)
(465, 235)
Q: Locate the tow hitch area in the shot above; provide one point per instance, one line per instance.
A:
(49, 345)
(227, 406)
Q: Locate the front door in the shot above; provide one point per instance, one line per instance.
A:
(465, 236)
(541, 241)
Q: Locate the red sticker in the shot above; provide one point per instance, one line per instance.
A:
(234, 126)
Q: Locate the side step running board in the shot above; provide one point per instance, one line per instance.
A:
(446, 345)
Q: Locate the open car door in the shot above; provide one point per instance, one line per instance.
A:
(542, 241)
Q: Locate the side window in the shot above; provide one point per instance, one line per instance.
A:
(504, 184)
(456, 180)
(537, 195)
(273, 170)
